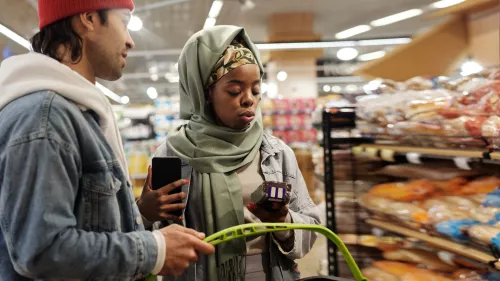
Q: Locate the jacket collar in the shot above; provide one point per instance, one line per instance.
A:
(271, 145)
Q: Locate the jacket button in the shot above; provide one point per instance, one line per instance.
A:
(138, 220)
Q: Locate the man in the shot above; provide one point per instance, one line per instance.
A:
(66, 208)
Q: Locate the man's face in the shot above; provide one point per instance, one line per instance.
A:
(108, 46)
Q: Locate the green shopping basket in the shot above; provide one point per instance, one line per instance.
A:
(252, 229)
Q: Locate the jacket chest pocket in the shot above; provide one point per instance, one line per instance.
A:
(100, 202)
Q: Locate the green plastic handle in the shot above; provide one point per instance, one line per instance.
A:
(252, 229)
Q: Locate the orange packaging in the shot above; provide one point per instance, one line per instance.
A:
(480, 186)
(414, 190)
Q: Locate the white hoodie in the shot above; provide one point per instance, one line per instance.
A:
(25, 74)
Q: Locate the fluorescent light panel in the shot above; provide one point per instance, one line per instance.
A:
(332, 44)
(210, 22)
(445, 3)
(371, 56)
(397, 17)
(15, 37)
(215, 9)
(353, 31)
(26, 44)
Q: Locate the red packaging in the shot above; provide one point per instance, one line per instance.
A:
(283, 135)
(296, 121)
(281, 106)
(294, 136)
(308, 104)
(281, 121)
(296, 105)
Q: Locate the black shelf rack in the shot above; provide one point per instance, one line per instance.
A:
(476, 154)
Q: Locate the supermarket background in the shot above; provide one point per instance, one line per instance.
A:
(391, 106)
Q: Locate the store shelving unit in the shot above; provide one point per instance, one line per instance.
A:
(463, 157)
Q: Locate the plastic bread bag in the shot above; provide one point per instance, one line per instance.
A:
(419, 257)
(403, 211)
(409, 272)
(404, 191)
(492, 199)
(440, 210)
(482, 185)
(455, 228)
(483, 233)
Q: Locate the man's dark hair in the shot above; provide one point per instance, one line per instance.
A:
(61, 32)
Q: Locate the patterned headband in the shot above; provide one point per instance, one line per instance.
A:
(237, 54)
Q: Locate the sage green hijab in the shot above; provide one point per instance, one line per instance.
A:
(214, 151)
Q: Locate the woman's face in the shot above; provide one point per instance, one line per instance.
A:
(236, 95)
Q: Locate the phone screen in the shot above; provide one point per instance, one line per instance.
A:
(166, 170)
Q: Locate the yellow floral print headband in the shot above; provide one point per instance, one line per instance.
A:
(237, 54)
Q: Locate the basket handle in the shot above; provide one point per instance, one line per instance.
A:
(252, 229)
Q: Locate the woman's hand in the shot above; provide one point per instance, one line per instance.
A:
(155, 205)
(265, 216)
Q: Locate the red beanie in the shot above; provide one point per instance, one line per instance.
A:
(50, 11)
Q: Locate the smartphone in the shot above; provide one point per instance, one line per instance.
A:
(167, 170)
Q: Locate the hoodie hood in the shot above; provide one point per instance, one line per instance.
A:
(201, 52)
(29, 73)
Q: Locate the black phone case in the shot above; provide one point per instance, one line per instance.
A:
(167, 170)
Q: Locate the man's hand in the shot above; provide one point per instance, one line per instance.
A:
(182, 246)
(155, 205)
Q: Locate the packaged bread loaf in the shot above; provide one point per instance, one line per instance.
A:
(419, 257)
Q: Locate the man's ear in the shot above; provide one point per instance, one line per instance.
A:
(88, 20)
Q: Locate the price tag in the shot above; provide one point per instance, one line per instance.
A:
(357, 150)
(413, 158)
(446, 257)
(387, 155)
(462, 163)
(372, 152)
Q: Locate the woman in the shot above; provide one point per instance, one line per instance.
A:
(226, 156)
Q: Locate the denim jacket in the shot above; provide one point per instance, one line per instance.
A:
(278, 163)
(67, 210)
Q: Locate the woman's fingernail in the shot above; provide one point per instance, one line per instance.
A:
(186, 181)
(181, 218)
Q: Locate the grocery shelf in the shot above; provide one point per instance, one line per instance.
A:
(428, 150)
(437, 242)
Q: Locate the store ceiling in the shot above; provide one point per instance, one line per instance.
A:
(169, 23)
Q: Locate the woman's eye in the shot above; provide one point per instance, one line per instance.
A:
(234, 94)
(256, 93)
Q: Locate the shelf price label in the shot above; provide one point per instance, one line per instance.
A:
(387, 155)
(413, 158)
(357, 150)
(462, 163)
(372, 152)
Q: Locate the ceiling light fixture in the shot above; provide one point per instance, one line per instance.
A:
(347, 54)
(135, 23)
(445, 3)
(336, 89)
(215, 9)
(331, 44)
(397, 17)
(471, 67)
(210, 22)
(15, 37)
(351, 88)
(152, 93)
(124, 100)
(372, 56)
(353, 31)
(247, 5)
(326, 88)
(282, 76)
